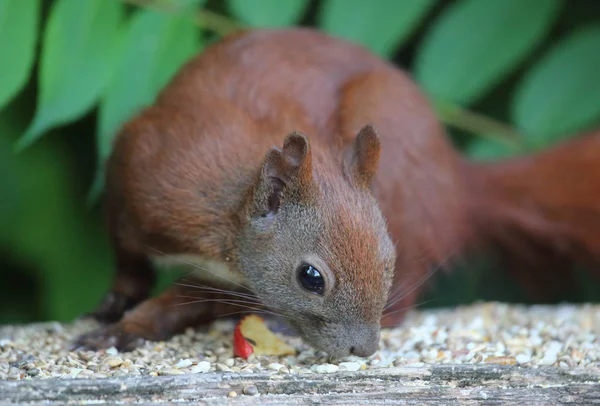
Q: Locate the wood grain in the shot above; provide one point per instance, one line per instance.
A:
(434, 385)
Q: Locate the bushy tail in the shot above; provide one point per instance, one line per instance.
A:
(540, 212)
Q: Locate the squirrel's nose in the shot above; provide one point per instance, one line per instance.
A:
(365, 340)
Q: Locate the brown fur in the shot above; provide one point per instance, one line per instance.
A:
(540, 212)
(366, 166)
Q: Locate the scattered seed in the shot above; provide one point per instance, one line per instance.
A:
(326, 368)
(33, 372)
(501, 360)
(112, 351)
(565, 336)
(114, 362)
(171, 372)
(274, 366)
(349, 366)
(250, 390)
(223, 368)
(202, 367)
(184, 363)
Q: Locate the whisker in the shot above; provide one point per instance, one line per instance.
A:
(204, 269)
(232, 293)
(217, 299)
(197, 288)
(419, 283)
(232, 303)
(266, 312)
(217, 290)
(224, 301)
(411, 288)
(254, 309)
(197, 267)
(414, 287)
(409, 307)
(398, 290)
(419, 258)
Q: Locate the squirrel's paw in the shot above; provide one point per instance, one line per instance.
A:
(113, 335)
(111, 309)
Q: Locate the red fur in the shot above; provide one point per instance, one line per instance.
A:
(541, 212)
(181, 171)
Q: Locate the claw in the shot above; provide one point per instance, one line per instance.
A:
(111, 309)
(113, 335)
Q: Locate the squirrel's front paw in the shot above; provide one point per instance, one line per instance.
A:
(113, 335)
(111, 309)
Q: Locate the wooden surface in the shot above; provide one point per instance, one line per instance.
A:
(435, 384)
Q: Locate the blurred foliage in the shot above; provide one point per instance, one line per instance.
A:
(506, 76)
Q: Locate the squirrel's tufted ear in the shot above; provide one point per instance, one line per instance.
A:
(286, 169)
(293, 164)
(362, 157)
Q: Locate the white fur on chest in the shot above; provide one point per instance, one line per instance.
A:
(206, 269)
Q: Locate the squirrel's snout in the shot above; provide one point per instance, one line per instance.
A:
(364, 340)
(364, 350)
(341, 340)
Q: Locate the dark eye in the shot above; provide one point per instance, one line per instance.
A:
(311, 279)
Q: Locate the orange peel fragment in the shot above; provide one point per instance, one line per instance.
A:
(252, 336)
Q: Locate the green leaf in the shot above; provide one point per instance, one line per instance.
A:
(185, 5)
(49, 232)
(9, 189)
(18, 36)
(268, 13)
(381, 26)
(474, 44)
(77, 60)
(560, 94)
(486, 149)
(153, 48)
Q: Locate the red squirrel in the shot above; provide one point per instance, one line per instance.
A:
(307, 171)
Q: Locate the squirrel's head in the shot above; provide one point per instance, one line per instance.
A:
(315, 246)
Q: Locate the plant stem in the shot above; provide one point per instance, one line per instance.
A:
(206, 19)
(450, 114)
(479, 124)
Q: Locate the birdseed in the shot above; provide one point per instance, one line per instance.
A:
(565, 336)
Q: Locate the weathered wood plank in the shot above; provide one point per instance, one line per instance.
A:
(435, 384)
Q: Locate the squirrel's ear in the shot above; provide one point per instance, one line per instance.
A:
(297, 160)
(290, 168)
(362, 157)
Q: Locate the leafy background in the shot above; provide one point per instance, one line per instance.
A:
(505, 76)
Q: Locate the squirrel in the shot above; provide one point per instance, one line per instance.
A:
(301, 169)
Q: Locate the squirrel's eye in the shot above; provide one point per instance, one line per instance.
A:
(311, 279)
